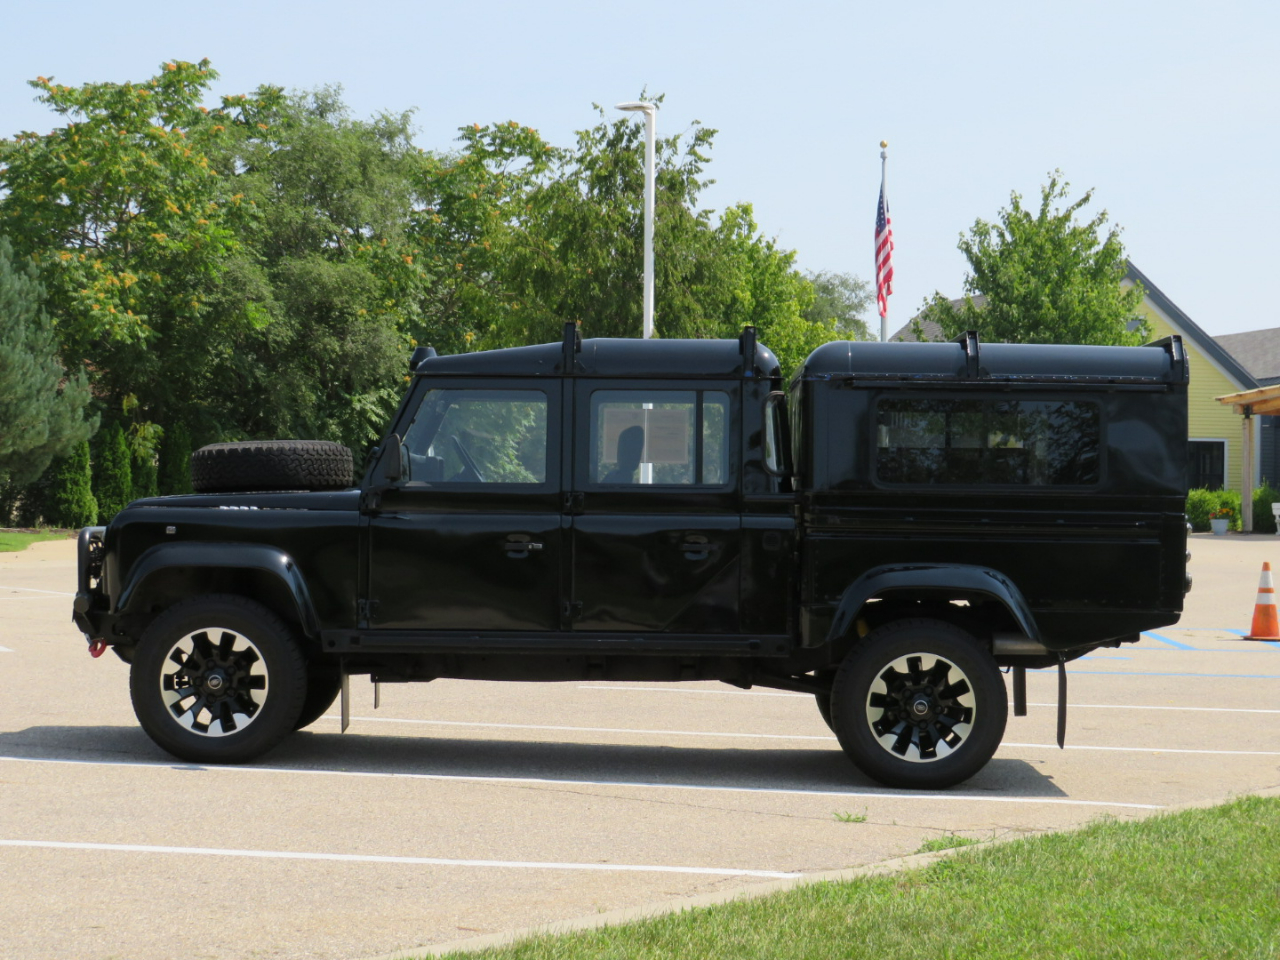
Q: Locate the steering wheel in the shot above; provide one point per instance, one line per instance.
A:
(467, 461)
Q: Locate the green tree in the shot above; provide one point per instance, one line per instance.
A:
(537, 235)
(68, 499)
(112, 475)
(330, 272)
(42, 411)
(132, 227)
(841, 297)
(1047, 277)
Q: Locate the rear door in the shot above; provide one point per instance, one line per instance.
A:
(655, 525)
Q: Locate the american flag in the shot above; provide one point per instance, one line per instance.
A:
(884, 253)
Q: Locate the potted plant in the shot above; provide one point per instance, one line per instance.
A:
(1220, 519)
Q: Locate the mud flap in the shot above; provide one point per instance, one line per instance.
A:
(1062, 702)
(346, 698)
(1019, 691)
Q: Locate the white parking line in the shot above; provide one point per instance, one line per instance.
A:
(362, 858)
(1134, 706)
(56, 593)
(941, 796)
(5, 650)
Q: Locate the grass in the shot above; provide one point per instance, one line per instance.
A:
(849, 817)
(947, 841)
(14, 540)
(1198, 883)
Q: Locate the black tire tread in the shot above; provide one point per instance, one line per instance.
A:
(271, 465)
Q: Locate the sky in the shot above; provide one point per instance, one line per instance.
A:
(1168, 110)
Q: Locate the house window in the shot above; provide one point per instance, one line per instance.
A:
(1207, 464)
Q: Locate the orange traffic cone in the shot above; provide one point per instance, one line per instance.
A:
(1266, 625)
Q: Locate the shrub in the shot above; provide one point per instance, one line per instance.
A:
(1200, 503)
(112, 477)
(1263, 497)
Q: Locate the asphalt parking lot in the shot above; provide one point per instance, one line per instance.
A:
(462, 809)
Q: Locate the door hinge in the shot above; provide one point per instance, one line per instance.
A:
(572, 609)
(366, 610)
(573, 502)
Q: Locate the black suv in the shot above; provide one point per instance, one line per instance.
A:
(886, 534)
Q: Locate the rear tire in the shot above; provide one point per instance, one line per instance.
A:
(324, 683)
(919, 704)
(218, 679)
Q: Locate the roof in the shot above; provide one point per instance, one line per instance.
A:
(932, 332)
(1257, 350)
(717, 359)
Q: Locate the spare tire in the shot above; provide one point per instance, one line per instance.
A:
(271, 465)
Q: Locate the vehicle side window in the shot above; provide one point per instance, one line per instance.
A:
(659, 437)
(478, 436)
(998, 442)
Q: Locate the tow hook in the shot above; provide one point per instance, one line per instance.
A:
(97, 648)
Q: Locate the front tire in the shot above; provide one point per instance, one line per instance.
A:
(218, 679)
(919, 704)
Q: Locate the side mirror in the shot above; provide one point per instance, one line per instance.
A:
(390, 463)
(776, 459)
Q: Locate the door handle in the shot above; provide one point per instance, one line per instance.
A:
(519, 549)
(694, 550)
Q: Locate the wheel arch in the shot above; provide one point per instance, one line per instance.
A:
(169, 573)
(938, 583)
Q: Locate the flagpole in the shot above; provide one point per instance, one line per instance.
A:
(884, 250)
(884, 317)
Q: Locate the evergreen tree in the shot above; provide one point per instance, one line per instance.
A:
(175, 461)
(145, 475)
(68, 497)
(112, 476)
(41, 410)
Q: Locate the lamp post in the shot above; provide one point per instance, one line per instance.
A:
(650, 111)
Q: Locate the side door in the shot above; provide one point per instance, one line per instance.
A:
(471, 537)
(655, 524)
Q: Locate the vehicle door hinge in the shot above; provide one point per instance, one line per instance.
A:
(572, 609)
(573, 502)
(366, 610)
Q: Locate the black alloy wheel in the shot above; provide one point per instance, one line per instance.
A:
(218, 679)
(919, 704)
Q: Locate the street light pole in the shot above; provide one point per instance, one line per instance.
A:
(650, 111)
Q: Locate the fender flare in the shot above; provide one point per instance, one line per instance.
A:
(964, 577)
(238, 556)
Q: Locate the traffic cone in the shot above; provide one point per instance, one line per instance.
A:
(1266, 625)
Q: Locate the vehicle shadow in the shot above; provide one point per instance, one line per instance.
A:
(805, 769)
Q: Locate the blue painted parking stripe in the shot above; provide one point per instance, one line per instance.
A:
(1163, 639)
